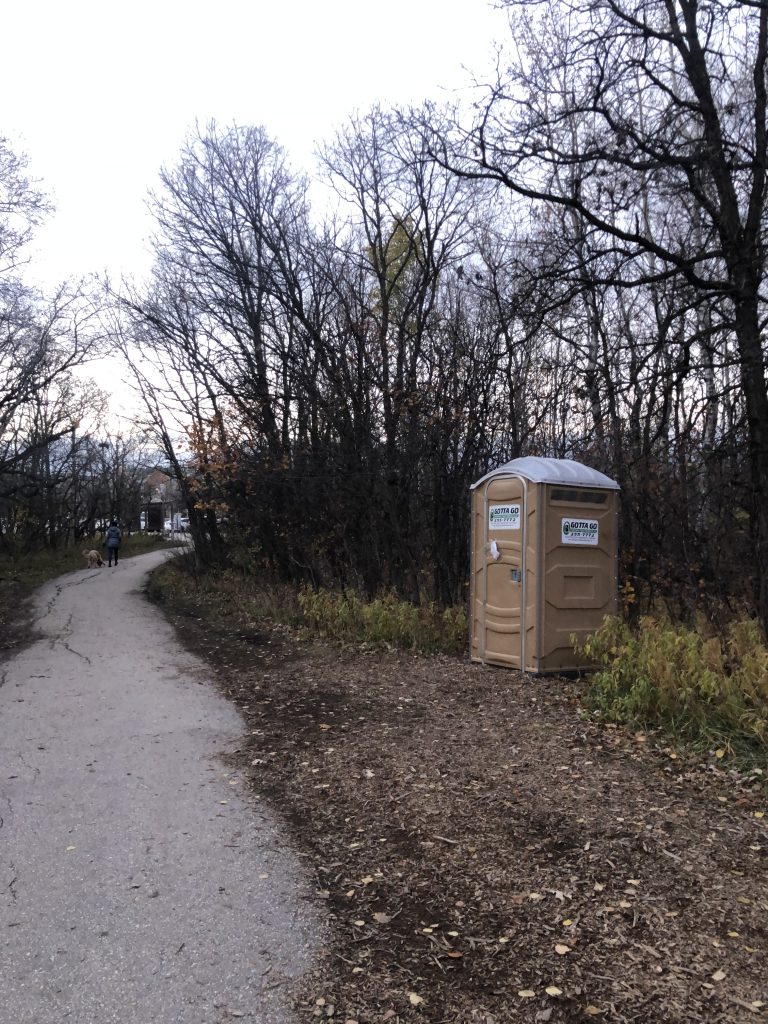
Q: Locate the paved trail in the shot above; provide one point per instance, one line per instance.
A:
(138, 883)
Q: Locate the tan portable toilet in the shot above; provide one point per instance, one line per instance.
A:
(544, 562)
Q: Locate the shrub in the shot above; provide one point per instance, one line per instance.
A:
(384, 621)
(235, 599)
(702, 689)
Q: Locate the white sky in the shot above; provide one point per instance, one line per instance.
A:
(100, 94)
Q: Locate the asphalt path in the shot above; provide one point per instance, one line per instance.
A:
(140, 882)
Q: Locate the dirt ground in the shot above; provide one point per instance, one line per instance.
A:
(484, 854)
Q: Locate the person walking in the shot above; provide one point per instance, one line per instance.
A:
(114, 536)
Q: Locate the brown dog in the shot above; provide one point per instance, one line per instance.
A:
(94, 558)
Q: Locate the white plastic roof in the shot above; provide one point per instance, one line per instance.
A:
(552, 471)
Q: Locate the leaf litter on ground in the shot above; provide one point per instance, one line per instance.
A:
(466, 813)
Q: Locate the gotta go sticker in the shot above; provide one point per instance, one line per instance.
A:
(504, 517)
(579, 531)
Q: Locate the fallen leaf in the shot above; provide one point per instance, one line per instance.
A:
(562, 949)
(553, 990)
(527, 993)
(414, 999)
(718, 975)
(454, 954)
(359, 924)
(759, 814)
(593, 1011)
(382, 918)
(720, 754)
(567, 922)
(367, 880)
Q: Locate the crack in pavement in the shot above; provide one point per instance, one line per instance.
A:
(59, 589)
(60, 638)
(27, 765)
(72, 650)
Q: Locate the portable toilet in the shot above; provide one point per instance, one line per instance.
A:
(544, 562)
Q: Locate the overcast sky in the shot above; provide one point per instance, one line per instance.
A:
(100, 95)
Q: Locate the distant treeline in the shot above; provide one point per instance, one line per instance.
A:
(574, 269)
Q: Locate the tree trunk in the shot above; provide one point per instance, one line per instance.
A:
(747, 332)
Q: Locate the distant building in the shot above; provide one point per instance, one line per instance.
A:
(160, 501)
(158, 486)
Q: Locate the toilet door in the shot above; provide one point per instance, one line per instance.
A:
(504, 572)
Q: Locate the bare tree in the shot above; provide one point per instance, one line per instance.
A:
(658, 111)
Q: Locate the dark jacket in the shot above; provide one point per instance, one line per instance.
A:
(114, 537)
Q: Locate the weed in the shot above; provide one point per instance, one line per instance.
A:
(705, 690)
(346, 618)
(385, 621)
